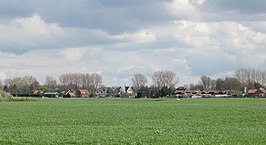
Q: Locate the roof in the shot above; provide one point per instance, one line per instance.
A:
(262, 90)
(252, 91)
(71, 94)
(183, 91)
(181, 88)
(84, 92)
(179, 91)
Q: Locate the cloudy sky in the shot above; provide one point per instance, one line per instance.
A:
(118, 38)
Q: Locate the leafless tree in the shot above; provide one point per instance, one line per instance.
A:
(50, 82)
(79, 80)
(139, 81)
(86, 81)
(96, 81)
(63, 79)
(158, 78)
(250, 76)
(165, 79)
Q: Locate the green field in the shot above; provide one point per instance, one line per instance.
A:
(133, 121)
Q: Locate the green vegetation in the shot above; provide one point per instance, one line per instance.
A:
(5, 96)
(8, 97)
(134, 121)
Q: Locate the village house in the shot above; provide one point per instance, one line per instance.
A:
(37, 93)
(102, 92)
(67, 94)
(260, 92)
(182, 92)
(130, 91)
(116, 92)
(83, 93)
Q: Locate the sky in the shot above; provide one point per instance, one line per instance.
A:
(118, 38)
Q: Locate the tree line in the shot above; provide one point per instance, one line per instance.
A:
(242, 80)
(164, 83)
(69, 81)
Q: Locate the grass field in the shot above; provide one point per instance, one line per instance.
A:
(133, 121)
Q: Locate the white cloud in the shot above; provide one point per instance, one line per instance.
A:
(26, 33)
(73, 54)
(185, 8)
(35, 26)
(197, 2)
(142, 36)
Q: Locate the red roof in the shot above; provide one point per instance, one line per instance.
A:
(252, 91)
(71, 94)
(84, 92)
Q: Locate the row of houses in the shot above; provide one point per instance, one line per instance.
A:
(182, 92)
(84, 93)
(68, 94)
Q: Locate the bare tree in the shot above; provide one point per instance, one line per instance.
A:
(158, 78)
(50, 82)
(165, 79)
(96, 81)
(250, 76)
(86, 81)
(139, 81)
(63, 79)
(170, 79)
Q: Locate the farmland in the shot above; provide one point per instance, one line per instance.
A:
(133, 121)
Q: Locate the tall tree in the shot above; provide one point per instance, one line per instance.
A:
(74, 81)
(165, 79)
(139, 81)
(96, 81)
(21, 85)
(63, 79)
(206, 81)
(50, 82)
(228, 83)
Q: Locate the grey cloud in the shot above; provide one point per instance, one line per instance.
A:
(129, 2)
(210, 64)
(243, 6)
(14, 8)
(114, 16)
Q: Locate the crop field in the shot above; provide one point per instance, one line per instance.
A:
(133, 121)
